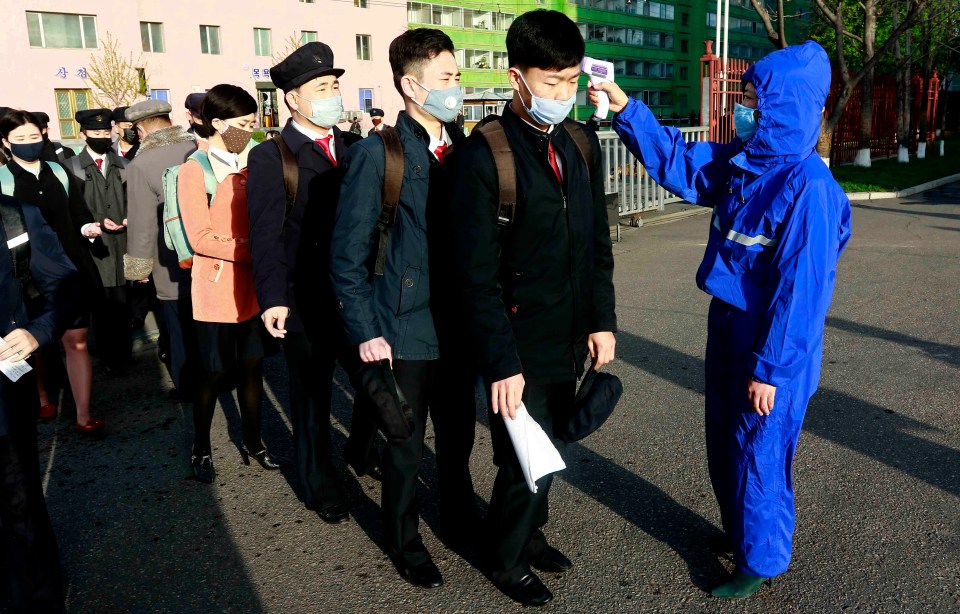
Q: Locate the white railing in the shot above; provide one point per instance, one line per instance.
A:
(627, 177)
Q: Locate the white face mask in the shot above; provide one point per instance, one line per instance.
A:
(325, 112)
(546, 111)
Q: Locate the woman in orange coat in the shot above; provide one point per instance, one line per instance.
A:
(224, 302)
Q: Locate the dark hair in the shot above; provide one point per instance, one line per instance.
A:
(544, 39)
(14, 118)
(225, 101)
(412, 49)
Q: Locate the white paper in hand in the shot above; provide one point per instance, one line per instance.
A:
(13, 370)
(536, 453)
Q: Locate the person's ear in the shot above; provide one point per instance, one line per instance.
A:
(409, 87)
(514, 75)
(6, 144)
(83, 135)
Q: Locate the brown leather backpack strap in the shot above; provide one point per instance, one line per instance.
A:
(291, 171)
(496, 139)
(392, 182)
(579, 137)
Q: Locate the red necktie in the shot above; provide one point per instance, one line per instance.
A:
(439, 151)
(552, 156)
(324, 144)
(99, 162)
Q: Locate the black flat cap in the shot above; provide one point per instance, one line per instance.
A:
(376, 112)
(192, 103)
(118, 114)
(308, 62)
(42, 117)
(597, 397)
(94, 119)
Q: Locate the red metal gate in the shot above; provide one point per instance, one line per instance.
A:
(722, 93)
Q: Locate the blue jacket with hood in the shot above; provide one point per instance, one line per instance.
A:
(780, 220)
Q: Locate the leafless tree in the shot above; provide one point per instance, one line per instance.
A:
(117, 80)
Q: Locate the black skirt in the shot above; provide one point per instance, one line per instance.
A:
(223, 345)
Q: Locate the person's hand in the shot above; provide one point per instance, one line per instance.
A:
(601, 346)
(761, 397)
(618, 99)
(111, 225)
(375, 350)
(92, 230)
(274, 319)
(506, 395)
(124, 223)
(144, 280)
(19, 344)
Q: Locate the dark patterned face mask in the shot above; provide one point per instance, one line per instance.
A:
(235, 139)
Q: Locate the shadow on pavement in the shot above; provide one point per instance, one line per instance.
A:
(948, 354)
(135, 533)
(910, 212)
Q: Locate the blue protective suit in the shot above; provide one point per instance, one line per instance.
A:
(779, 225)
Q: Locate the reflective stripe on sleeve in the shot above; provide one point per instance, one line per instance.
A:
(743, 239)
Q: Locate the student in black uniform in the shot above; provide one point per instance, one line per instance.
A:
(103, 175)
(393, 316)
(33, 269)
(536, 296)
(41, 183)
(290, 247)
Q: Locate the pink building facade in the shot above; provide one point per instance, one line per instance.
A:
(186, 46)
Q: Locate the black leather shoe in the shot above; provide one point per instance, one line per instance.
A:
(267, 460)
(203, 468)
(335, 514)
(424, 575)
(552, 561)
(528, 590)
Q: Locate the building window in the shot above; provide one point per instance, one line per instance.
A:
(151, 36)
(261, 41)
(366, 100)
(308, 36)
(163, 95)
(363, 46)
(306, 1)
(684, 73)
(684, 44)
(62, 30)
(210, 40)
(360, 4)
(684, 19)
(68, 103)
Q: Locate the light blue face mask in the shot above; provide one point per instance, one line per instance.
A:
(326, 112)
(445, 104)
(744, 121)
(546, 111)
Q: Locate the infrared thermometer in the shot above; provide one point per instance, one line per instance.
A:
(599, 72)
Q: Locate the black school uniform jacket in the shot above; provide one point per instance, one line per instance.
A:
(530, 294)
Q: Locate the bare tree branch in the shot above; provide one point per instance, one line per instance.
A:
(115, 78)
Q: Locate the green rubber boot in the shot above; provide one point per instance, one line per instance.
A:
(740, 586)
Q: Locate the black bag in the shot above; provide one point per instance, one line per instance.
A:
(394, 416)
(597, 397)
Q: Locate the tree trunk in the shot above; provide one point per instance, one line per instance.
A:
(927, 47)
(866, 85)
(903, 151)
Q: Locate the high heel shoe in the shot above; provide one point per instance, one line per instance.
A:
(740, 586)
(267, 460)
(202, 467)
(94, 427)
(48, 412)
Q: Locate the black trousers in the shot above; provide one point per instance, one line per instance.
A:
(517, 515)
(29, 544)
(310, 368)
(111, 327)
(447, 394)
(182, 334)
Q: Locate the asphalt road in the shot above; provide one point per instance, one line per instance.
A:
(877, 473)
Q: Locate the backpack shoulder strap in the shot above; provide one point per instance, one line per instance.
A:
(209, 179)
(392, 183)
(14, 227)
(582, 142)
(61, 175)
(492, 132)
(76, 169)
(6, 181)
(291, 171)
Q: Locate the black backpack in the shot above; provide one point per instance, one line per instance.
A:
(15, 227)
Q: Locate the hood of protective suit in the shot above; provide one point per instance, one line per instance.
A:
(792, 86)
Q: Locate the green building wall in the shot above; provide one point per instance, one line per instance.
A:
(677, 95)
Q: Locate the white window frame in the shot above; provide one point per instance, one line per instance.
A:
(363, 98)
(367, 41)
(153, 47)
(83, 36)
(313, 33)
(258, 42)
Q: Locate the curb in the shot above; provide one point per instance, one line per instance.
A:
(673, 217)
(923, 187)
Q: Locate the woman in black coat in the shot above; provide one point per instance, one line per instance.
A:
(60, 199)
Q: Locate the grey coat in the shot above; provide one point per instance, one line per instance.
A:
(146, 251)
(106, 197)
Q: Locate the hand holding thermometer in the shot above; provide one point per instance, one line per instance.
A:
(599, 72)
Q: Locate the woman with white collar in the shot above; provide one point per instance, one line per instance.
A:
(211, 187)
